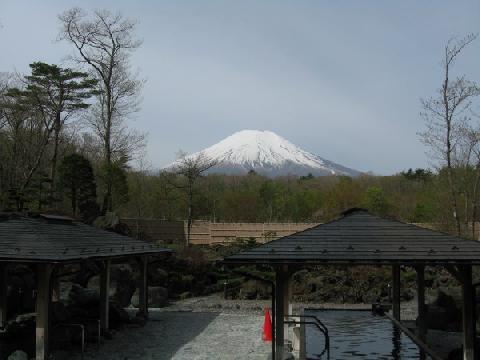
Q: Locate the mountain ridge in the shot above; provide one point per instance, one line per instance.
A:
(268, 154)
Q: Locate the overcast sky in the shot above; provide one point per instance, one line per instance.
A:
(341, 79)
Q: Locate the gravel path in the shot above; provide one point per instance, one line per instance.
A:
(187, 336)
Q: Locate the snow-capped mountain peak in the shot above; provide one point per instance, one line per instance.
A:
(269, 154)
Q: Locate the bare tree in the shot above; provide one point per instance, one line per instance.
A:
(4, 84)
(104, 42)
(446, 114)
(191, 168)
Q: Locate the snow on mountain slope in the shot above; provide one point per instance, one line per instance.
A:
(267, 154)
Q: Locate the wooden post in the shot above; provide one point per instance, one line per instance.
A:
(422, 316)
(396, 292)
(468, 313)
(287, 305)
(303, 340)
(273, 321)
(281, 286)
(104, 296)
(44, 272)
(143, 288)
(3, 296)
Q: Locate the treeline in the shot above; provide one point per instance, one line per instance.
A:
(64, 142)
(414, 196)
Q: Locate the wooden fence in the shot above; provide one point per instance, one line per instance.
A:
(208, 233)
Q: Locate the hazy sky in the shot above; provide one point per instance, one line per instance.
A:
(342, 79)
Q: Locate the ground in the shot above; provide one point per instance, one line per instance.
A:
(213, 328)
(190, 329)
(188, 335)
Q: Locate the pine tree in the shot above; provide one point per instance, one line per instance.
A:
(78, 183)
(55, 94)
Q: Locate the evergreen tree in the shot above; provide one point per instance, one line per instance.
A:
(54, 95)
(78, 183)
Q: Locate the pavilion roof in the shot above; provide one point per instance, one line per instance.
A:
(48, 238)
(362, 238)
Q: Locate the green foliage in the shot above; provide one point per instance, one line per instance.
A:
(417, 175)
(376, 201)
(115, 175)
(78, 184)
(255, 198)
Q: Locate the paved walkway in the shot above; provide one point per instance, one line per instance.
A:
(188, 335)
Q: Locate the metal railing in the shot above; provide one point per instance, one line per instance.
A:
(312, 320)
(81, 327)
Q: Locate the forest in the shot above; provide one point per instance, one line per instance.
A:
(66, 147)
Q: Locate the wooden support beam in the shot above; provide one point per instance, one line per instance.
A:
(104, 296)
(468, 312)
(281, 288)
(143, 288)
(44, 272)
(287, 305)
(422, 314)
(396, 292)
(3, 296)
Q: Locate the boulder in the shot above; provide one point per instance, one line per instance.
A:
(18, 355)
(117, 313)
(125, 285)
(60, 313)
(157, 296)
(81, 296)
(444, 300)
(157, 276)
(444, 314)
(437, 317)
(252, 290)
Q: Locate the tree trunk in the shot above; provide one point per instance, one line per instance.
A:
(107, 199)
(449, 149)
(53, 165)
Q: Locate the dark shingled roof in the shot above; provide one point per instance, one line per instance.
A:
(60, 239)
(359, 237)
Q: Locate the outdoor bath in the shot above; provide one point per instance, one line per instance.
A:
(359, 334)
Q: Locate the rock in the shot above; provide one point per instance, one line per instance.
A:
(253, 289)
(22, 325)
(157, 276)
(18, 355)
(62, 337)
(437, 317)
(407, 294)
(185, 295)
(125, 285)
(444, 314)
(440, 318)
(60, 313)
(81, 296)
(444, 300)
(111, 221)
(456, 354)
(117, 313)
(157, 296)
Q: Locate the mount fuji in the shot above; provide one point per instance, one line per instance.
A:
(267, 154)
